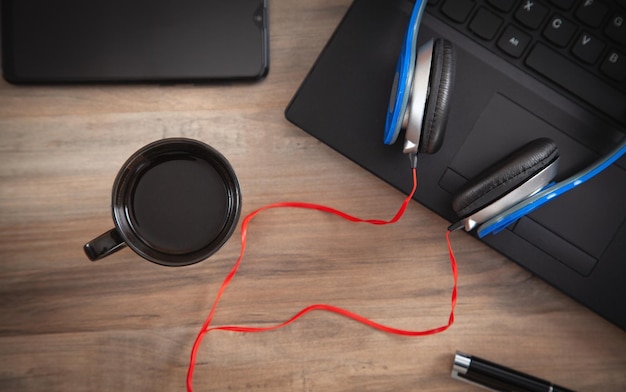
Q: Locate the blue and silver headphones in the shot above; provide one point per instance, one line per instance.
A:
(503, 193)
(420, 97)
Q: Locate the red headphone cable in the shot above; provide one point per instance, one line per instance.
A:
(206, 327)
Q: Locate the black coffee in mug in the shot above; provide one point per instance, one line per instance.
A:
(175, 202)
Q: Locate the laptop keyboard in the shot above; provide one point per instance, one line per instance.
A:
(580, 45)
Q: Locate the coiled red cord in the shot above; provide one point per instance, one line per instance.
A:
(206, 327)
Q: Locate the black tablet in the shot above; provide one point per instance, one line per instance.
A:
(134, 40)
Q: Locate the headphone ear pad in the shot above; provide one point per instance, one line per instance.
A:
(505, 176)
(437, 107)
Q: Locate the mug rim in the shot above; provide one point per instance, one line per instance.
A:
(129, 174)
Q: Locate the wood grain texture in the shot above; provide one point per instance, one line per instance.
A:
(124, 324)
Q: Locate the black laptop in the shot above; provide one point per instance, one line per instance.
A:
(525, 69)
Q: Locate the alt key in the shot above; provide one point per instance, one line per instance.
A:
(513, 41)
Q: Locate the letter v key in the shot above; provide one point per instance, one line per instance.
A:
(588, 48)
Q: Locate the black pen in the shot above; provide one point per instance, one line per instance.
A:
(495, 377)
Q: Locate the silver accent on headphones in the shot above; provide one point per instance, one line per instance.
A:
(533, 185)
(414, 115)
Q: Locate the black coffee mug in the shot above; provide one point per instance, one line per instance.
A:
(175, 202)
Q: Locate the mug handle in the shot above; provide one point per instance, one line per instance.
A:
(104, 245)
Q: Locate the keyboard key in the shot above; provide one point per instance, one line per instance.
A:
(530, 13)
(588, 48)
(616, 29)
(457, 10)
(592, 12)
(581, 83)
(564, 4)
(559, 31)
(502, 5)
(513, 41)
(485, 24)
(614, 66)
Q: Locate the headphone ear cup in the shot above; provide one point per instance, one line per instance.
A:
(504, 177)
(437, 108)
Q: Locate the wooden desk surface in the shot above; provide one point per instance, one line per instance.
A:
(124, 324)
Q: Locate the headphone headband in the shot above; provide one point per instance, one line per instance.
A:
(403, 80)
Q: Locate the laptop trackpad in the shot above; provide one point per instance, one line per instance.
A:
(577, 227)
